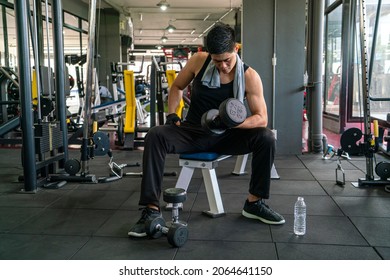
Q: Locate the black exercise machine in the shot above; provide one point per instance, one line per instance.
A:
(369, 146)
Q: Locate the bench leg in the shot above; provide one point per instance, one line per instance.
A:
(239, 168)
(213, 193)
(185, 177)
(274, 173)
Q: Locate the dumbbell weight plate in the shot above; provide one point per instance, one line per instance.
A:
(174, 195)
(207, 121)
(232, 112)
(151, 227)
(177, 235)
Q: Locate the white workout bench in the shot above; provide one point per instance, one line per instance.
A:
(207, 162)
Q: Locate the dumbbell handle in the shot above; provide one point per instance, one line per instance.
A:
(218, 123)
(163, 229)
(175, 213)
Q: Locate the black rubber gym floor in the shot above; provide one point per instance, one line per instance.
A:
(90, 221)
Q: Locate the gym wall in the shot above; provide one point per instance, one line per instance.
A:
(258, 49)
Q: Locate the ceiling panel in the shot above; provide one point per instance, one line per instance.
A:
(192, 19)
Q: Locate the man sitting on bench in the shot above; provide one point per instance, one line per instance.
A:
(216, 75)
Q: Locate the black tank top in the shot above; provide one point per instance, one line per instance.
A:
(204, 98)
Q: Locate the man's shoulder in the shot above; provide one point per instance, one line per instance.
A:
(197, 61)
(249, 69)
(251, 73)
(200, 56)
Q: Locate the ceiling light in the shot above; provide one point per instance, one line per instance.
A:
(170, 28)
(164, 39)
(163, 5)
(193, 31)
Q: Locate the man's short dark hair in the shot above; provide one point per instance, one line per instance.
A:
(220, 39)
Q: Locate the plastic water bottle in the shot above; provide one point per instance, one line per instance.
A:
(300, 217)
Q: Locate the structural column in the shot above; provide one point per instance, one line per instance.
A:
(27, 123)
(59, 63)
(314, 62)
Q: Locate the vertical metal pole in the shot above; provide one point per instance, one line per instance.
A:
(34, 39)
(59, 64)
(153, 90)
(27, 125)
(89, 86)
(274, 59)
(348, 11)
(365, 89)
(315, 49)
(48, 47)
(5, 33)
(374, 40)
(39, 21)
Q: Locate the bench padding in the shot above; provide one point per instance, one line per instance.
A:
(204, 156)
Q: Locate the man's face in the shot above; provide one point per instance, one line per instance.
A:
(225, 62)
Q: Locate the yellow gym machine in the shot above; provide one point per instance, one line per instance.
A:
(128, 128)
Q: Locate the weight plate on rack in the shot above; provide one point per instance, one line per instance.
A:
(348, 141)
(382, 169)
(72, 166)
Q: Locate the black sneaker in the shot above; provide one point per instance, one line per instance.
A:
(138, 230)
(261, 211)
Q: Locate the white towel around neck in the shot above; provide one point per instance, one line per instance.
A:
(211, 78)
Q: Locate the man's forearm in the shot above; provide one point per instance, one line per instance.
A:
(174, 98)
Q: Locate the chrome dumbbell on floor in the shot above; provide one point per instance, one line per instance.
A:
(176, 230)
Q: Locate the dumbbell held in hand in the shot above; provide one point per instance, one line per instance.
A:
(231, 113)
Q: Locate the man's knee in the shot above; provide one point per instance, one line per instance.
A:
(155, 132)
(270, 135)
(266, 137)
(161, 133)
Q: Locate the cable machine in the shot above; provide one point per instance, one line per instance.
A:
(349, 138)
